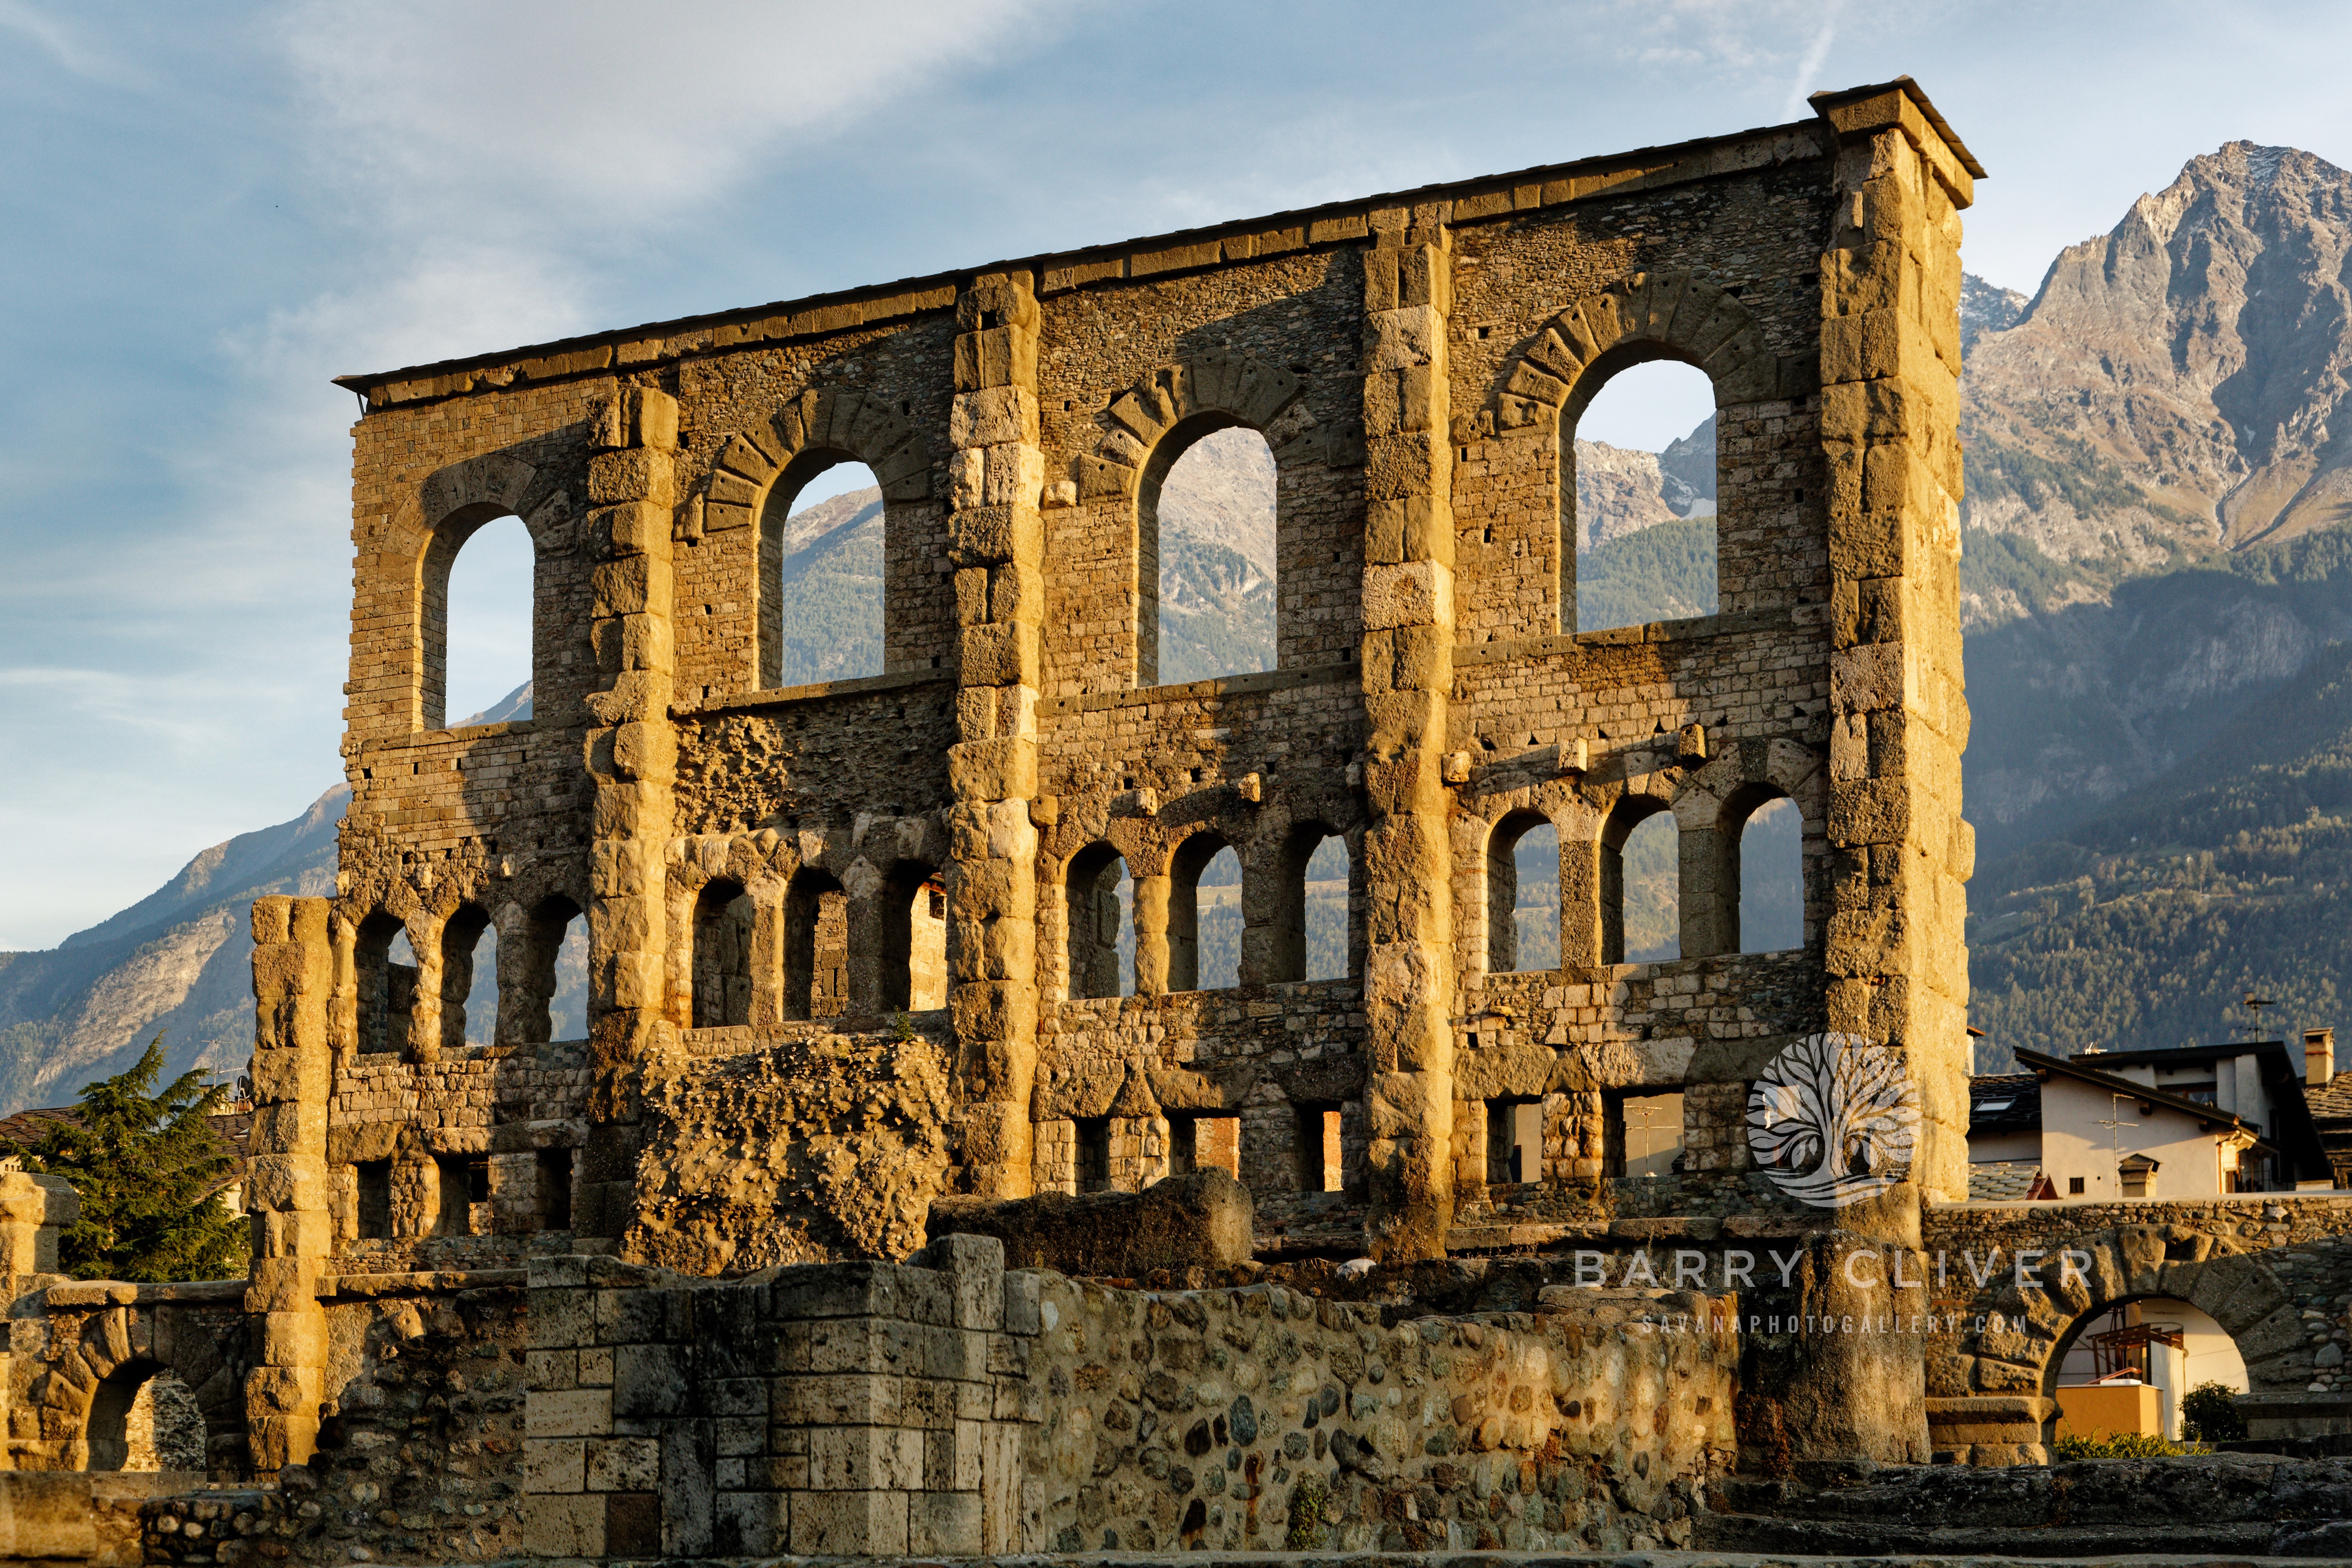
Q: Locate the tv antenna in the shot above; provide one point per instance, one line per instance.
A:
(2255, 1005)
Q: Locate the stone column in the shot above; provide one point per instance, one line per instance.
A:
(632, 755)
(1897, 957)
(1408, 652)
(996, 545)
(294, 969)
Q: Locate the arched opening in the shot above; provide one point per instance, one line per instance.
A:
(1328, 902)
(1523, 894)
(385, 969)
(821, 567)
(722, 976)
(1305, 936)
(2132, 1366)
(914, 939)
(1640, 883)
(1638, 497)
(534, 946)
(816, 945)
(477, 588)
(1205, 522)
(469, 978)
(143, 1419)
(567, 1009)
(1204, 915)
(1771, 863)
(1099, 901)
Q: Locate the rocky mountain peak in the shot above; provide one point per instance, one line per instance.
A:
(2176, 383)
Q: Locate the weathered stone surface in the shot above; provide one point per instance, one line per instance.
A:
(1206, 1218)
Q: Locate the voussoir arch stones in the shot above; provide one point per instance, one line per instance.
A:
(2026, 1329)
(839, 420)
(1643, 315)
(1243, 389)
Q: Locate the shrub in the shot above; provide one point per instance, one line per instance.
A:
(2208, 1413)
(2124, 1446)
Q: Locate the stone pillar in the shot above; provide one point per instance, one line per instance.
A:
(1408, 654)
(1897, 958)
(34, 1212)
(294, 970)
(632, 756)
(996, 545)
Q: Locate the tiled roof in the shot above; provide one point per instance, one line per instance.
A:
(2333, 1103)
(2002, 1181)
(2004, 1102)
(26, 1128)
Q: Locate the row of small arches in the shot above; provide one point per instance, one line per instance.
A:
(520, 978)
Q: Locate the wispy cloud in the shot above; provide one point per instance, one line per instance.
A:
(62, 43)
(1808, 70)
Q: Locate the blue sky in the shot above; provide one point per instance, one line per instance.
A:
(211, 210)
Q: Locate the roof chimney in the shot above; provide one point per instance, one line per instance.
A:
(2318, 1057)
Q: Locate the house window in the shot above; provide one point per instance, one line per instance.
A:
(2073, 1186)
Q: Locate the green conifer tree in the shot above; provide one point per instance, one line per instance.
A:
(149, 1169)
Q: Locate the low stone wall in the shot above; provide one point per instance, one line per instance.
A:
(944, 1407)
(1261, 1418)
(849, 1410)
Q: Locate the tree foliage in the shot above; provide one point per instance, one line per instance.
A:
(2208, 1414)
(2147, 923)
(149, 1169)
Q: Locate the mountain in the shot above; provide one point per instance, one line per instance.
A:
(2159, 414)
(2172, 390)
(2150, 921)
(179, 961)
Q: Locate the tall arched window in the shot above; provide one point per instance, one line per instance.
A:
(385, 969)
(1207, 520)
(469, 980)
(1523, 894)
(1099, 901)
(1772, 878)
(1327, 901)
(527, 1002)
(723, 923)
(1640, 879)
(821, 573)
(1306, 938)
(1204, 915)
(1638, 497)
(478, 582)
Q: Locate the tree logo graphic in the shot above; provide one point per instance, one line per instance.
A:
(1832, 1119)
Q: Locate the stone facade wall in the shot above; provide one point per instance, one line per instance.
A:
(750, 860)
(419, 1452)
